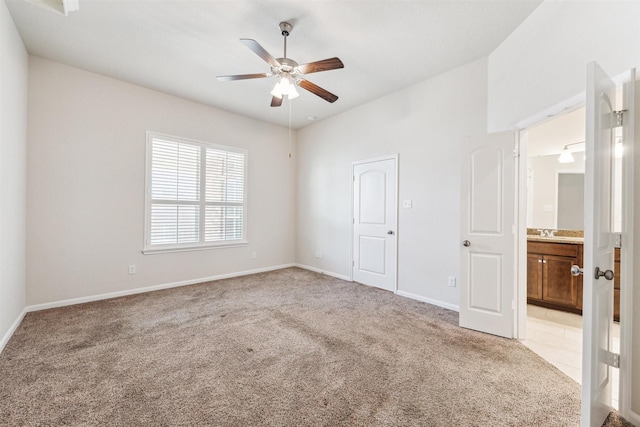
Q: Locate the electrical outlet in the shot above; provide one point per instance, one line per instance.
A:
(318, 254)
(132, 269)
(452, 281)
(254, 255)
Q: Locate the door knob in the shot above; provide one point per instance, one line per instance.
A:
(390, 232)
(607, 274)
(576, 271)
(466, 243)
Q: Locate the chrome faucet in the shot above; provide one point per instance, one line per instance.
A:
(546, 233)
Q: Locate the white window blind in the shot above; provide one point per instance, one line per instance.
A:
(195, 194)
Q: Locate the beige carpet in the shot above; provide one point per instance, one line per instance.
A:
(285, 348)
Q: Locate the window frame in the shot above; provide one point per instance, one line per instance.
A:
(201, 244)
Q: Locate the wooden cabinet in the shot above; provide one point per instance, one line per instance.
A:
(549, 279)
(534, 276)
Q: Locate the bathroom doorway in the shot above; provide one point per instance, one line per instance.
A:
(555, 165)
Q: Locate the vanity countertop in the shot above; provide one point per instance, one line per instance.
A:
(555, 239)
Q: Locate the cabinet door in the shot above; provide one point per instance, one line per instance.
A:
(534, 276)
(560, 287)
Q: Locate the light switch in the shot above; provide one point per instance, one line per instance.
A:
(406, 204)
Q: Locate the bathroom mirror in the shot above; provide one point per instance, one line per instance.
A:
(570, 201)
(555, 193)
(553, 199)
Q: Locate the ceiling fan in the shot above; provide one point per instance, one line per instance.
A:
(288, 72)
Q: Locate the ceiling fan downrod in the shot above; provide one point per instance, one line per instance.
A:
(285, 29)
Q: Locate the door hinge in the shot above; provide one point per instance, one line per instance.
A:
(353, 263)
(618, 117)
(516, 154)
(613, 359)
(513, 304)
(617, 240)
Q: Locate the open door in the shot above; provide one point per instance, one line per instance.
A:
(488, 241)
(597, 356)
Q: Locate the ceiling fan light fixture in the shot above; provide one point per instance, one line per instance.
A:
(277, 91)
(293, 93)
(565, 156)
(285, 87)
(281, 88)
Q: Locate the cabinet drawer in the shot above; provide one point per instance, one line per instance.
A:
(561, 249)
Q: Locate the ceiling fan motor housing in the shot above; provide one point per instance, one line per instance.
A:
(286, 65)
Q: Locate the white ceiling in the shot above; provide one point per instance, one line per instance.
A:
(180, 46)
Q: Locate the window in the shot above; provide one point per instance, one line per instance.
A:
(195, 195)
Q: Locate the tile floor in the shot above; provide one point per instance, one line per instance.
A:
(557, 337)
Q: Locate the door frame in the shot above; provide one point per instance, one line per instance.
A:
(627, 256)
(522, 142)
(628, 232)
(396, 160)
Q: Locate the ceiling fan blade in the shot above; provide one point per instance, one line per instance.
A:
(317, 90)
(324, 65)
(243, 77)
(261, 52)
(276, 102)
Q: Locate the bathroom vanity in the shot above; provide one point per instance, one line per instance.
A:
(549, 280)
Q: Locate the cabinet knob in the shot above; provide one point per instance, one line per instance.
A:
(576, 271)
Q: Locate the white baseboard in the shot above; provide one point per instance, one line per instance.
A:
(328, 273)
(109, 295)
(632, 417)
(431, 301)
(5, 339)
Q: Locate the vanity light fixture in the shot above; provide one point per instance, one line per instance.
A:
(565, 154)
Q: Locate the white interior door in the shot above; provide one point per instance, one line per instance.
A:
(598, 248)
(629, 318)
(374, 223)
(488, 241)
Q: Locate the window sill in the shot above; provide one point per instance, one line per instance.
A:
(235, 244)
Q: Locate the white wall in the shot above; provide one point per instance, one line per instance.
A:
(13, 171)
(426, 124)
(543, 62)
(86, 176)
